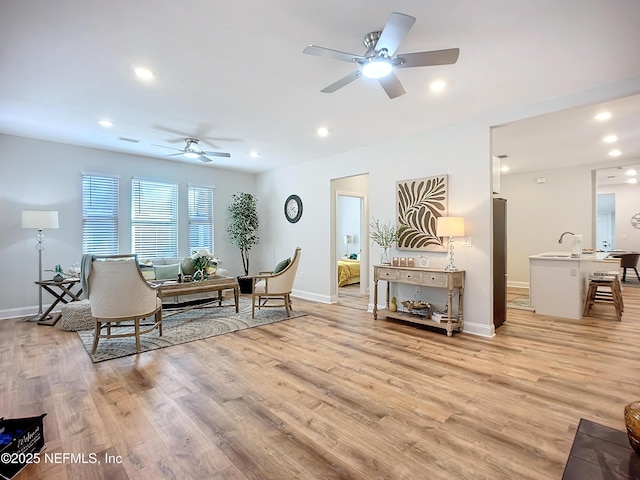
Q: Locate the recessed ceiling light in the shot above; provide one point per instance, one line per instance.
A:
(437, 86)
(610, 139)
(144, 73)
(504, 168)
(632, 180)
(602, 116)
(631, 172)
(322, 131)
(614, 153)
(106, 123)
(254, 154)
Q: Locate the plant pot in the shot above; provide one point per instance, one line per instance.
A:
(246, 284)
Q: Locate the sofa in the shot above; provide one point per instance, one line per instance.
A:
(160, 270)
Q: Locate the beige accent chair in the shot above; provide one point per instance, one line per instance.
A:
(275, 286)
(118, 295)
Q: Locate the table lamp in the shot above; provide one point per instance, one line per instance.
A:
(39, 220)
(450, 227)
(348, 240)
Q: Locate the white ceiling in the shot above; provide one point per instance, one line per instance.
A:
(233, 74)
(574, 137)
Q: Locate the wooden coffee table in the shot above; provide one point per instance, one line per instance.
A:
(212, 284)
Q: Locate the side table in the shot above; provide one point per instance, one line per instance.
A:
(62, 292)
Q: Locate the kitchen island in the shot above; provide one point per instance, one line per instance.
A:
(558, 281)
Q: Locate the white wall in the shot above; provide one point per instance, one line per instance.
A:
(430, 153)
(39, 175)
(538, 213)
(348, 223)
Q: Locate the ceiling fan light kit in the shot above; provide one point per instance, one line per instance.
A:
(379, 62)
(376, 67)
(193, 150)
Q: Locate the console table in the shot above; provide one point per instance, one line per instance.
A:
(423, 277)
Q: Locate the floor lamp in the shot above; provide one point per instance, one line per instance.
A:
(39, 220)
(450, 227)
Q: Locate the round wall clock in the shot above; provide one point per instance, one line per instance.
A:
(293, 208)
(635, 220)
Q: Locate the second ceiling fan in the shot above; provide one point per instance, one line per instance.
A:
(380, 60)
(193, 150)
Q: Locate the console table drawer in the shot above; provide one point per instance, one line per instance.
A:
(435, 279)
(409, 276)
(387, 274)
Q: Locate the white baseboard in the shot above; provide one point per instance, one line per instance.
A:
(313, 297)
(17, 312)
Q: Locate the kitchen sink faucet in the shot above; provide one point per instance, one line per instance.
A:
(562, 236)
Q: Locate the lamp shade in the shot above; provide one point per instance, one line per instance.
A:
(450, 227)
(348, 239)
(39, 219)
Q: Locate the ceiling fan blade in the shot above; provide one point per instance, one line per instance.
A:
(392, 85)
(216, 154)
(394, 32)
(342, 82)
(204, 159)
(425, 59)
(164, 146)
(335, 54)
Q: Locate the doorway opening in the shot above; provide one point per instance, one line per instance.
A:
(350, 246)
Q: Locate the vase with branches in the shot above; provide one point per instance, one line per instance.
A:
(384, 235)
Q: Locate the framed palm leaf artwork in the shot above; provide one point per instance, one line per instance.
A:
(419, 202)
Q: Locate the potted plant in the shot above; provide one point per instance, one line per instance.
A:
(59, 274)
(243, 223)
(384, 235)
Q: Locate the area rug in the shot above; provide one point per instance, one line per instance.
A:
(521, 303)
(184, 327)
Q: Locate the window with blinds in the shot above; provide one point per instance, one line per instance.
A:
(154, 218)
(100, 214)
(200, 218)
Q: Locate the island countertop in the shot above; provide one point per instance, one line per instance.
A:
(557, 282)
(566, 256)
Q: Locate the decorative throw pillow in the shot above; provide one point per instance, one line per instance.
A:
(167, 272)
(282, 265)
(188, 267)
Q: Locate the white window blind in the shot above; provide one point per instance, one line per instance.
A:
(100, 214)
(200, 218)
(154, 218)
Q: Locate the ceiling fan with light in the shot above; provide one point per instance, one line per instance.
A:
(193, 150)
(380, 61)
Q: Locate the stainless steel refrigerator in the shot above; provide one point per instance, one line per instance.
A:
(499, 261)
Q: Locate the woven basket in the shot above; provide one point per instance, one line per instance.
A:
(77, 316)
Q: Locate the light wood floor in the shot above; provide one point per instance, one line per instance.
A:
(331, 395)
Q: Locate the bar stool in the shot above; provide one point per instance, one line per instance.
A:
(604, 287)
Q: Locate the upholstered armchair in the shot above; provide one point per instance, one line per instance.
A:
(276, 285)
(120, 298)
